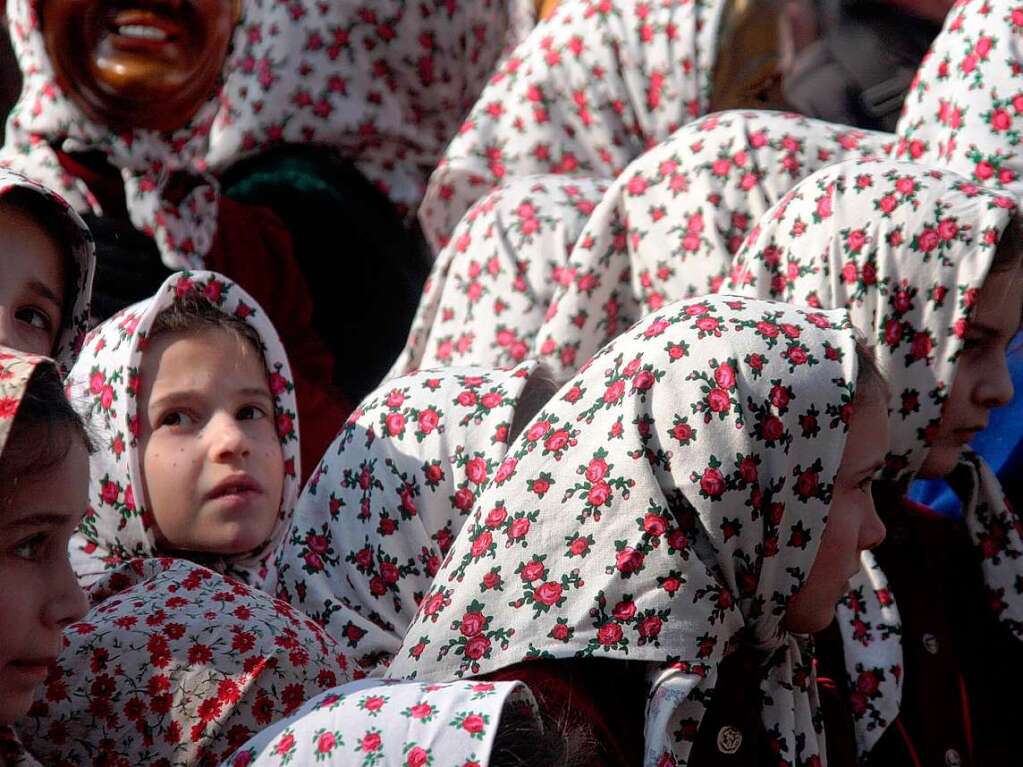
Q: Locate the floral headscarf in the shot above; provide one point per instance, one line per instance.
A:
(390, 496)
(44, 115)
(665, 507)
(104, 385)
(16, 370)
(176, 665)
(409, 724)
(906, 249)
(490, 287)
(668, 226)
(386, 82)
(587, 92)
(83, 258)
(965, 108)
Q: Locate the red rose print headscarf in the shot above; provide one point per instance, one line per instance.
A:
(664, 507)
(104, 385)
(388, 499)
(668, 226)
(906, 250)
(175, 664)
(76, 316)
(44, 115)
(390, 723)
(490, 287)
(386, 82)
(965, 108)
(590, 89)
(16, 370)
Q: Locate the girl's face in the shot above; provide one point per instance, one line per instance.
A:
(138, 63)
(32, 288)
(982, 381)
(40, 594)
(853, 524)
(212, 465)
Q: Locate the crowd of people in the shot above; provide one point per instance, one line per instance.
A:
(500, 383)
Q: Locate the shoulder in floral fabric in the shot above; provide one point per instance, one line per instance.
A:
(390, 723)
(80, 262)
(385, 504)
(178, 665)
(662, 508)
(104, 384)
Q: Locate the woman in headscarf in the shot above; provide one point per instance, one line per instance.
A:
(390, 496)
(673, 506)
(176, 665)
(929, 266)
(47, 266)
(113, 382)
(490, 287)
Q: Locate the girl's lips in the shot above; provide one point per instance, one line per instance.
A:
(142, 31)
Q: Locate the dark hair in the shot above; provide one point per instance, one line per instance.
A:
(527, 739)
(537, 392)
(194, 313)
(43, 431)
(1009, 253)
(44, 211)
(870, 381)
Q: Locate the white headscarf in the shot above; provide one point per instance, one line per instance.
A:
(664, 507)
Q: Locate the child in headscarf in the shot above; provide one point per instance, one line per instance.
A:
(675, 503)
(44, 477)
(490, 287)
(191, 397)
(176, 665)
(47, 266)
(928, 264)
(389, 498)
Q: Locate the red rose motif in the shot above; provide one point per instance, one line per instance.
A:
(482, 544)
(548, 593)
(557, 441)
(491, 400)
(476, 471)
(472, 624)
(599, 494)
(629, 560)
(428, 420)
(712, 483)
(473, 724)
(806, 484)
(518, 528)
(650, 627)
(477, 647)
(532, 571)
(609, 634)
(624, 611)
(395, 423)
(718, 401)
(725, 376)
(464, 499)
(773, 429)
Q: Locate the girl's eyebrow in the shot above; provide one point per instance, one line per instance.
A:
(42, 289)
(185, 394)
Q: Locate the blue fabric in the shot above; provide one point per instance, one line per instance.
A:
(1001, 445)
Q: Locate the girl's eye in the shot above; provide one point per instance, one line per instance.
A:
(37, 318)
(175, 418)
(251, 413)
(30, 547)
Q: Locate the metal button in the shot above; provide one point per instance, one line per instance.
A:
(729, 740)
(931, 644)
(952, 758)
